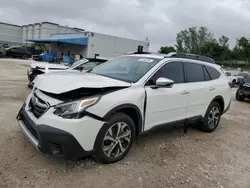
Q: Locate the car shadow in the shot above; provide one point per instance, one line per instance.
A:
(156, 135)
(166, 131)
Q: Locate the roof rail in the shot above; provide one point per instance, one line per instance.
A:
(190, 56)
(131, 53)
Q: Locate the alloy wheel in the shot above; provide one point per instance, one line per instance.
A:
(117, 140)
(213, 117)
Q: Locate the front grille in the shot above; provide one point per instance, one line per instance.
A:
(29, 125)
(37, 106)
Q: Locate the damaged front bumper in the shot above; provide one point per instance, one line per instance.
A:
(59, 142)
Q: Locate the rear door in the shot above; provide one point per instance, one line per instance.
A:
(217, 86)
(198, 82)
(164, 105)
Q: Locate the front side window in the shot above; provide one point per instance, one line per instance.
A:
(21, 50)
(126, 68)
(173, 71)
(194, 72)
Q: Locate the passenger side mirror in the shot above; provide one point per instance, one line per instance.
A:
(164, 82)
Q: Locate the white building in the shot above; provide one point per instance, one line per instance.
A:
(91, 44)
(10, 34)
(70, 41)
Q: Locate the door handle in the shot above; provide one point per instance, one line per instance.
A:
(211, 89)
(185, 92)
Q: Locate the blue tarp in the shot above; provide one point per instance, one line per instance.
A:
(80, 41)
(47, 57)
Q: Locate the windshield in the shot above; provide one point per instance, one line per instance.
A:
(126, 68)
(87, 65)
(228, 74)
(77, 63)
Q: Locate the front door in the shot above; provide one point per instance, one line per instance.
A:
(166, 105)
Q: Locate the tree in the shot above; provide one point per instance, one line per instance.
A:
(191, 40)
(167, 49)
(215, 51)
(244, 47)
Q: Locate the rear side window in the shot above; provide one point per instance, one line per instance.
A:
(214, 74)
(173, 71)
(207, 77)
(194, 72)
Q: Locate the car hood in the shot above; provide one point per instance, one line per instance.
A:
(49, 66)
(61, 82)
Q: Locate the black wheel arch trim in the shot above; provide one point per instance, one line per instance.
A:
(124, 106)
(221, 98)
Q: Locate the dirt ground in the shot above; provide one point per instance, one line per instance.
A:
(161, 158)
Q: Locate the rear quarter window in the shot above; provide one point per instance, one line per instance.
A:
(214, 74)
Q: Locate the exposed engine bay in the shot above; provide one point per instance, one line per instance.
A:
(82, 92)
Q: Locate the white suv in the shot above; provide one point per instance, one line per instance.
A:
(101, 112)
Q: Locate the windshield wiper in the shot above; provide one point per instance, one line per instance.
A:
(89, 70)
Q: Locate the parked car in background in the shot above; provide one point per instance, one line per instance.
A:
(18, 52)
(240, 76)
(231, 78)
(82, 65)
(101, 112)
(244, 89)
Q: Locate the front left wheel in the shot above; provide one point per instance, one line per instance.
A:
(115, 139)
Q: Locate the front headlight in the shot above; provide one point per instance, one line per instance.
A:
(73, 109)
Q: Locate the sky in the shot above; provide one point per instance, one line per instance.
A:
(159, 20)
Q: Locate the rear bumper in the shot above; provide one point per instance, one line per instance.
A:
(50, 140)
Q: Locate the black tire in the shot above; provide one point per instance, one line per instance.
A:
(206, 126)
(238, 96)
(25, 57)
(103, 157)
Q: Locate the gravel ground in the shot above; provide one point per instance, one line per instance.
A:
(160, 158)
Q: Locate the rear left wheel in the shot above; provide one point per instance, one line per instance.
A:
(115, 138)
(212, 117)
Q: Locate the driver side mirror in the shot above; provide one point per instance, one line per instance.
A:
(164, 83)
